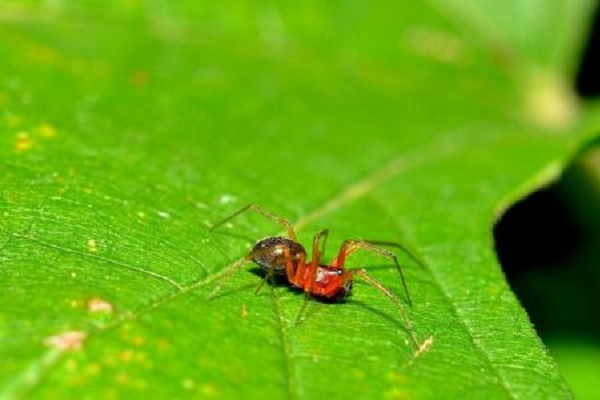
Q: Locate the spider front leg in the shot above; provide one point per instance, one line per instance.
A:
(351, 245)
(267, 278)
(317, 255)
(253, 207)
(228, 272)
(312, 269)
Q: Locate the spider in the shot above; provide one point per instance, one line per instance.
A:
(283, 255)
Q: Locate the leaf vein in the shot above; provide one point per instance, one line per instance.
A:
(102, 258)
(397, 166)
(285, 348)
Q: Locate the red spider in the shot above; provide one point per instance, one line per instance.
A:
(285, 256)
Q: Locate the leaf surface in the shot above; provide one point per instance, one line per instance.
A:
(126, 130)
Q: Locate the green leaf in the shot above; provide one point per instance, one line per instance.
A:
(127, 129)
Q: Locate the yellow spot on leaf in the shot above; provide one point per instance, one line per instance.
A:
(395, 377)
(163, 344)
(47, 131)
(23, 141)
(137, 340)
(93, 369)
(43, 55)
(396, 394)
(122, 378)
(140, 357)
(75, 303)
(92, 246)
(71, 365)
(126, 355)
(208, 390)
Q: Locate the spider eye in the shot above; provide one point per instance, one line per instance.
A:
(339, 272)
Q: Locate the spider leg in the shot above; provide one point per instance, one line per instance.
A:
(321, 236)
(319, 251)
(291, 275)
(377, 285)
(351, 245)
(403, 248)
(304, 304)
(316, 256)
(253, 207)
(316, 259)
(226, 273)
(268, 277)
(270, 273)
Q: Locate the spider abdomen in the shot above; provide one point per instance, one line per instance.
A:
(270, 253)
